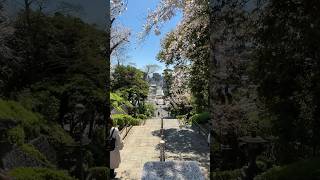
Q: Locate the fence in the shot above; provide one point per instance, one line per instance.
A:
(125, 130)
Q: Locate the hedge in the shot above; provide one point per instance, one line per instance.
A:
(122, 119)
(142, 116)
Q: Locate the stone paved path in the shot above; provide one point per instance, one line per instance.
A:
(185, 144)
(141, 146)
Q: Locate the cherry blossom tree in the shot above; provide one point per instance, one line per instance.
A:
(213, 40)
(187, 45)
(119, 33)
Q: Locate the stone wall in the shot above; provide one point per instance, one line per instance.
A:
(17, 158)
(42, 145)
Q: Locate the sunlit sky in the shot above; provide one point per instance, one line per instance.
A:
(134, 18)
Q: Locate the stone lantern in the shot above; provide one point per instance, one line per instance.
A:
(254, 148)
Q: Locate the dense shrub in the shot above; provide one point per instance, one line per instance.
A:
(200, 118)
(97, 146)
(16, 135)
(122, 119)
(135, 122)
(149, 109)
(39, 174)
(57, 135)
(263, 166)
(227, 175)
(15, 112)
(98, 173)
(180, 117)
(142, 116)
(32, 151)
(307, 169)
(41, 101)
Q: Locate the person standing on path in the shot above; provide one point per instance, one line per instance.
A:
(115, 158)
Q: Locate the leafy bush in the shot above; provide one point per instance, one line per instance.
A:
(142, 116)
(48, 106)
(227, 175)
(122, 119)
(15, 112)
(180, 117)
(149, 109)
(57, 135)
(32, 151)
(16, 135)
(99, 173)
(39, 174)
(41, 100)
(307, 169)
(97, 146)
(200, 118)
(262, 165)
(135, 122)
(117, 102)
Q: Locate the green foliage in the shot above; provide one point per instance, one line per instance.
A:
(65, 46)
(129, 82)
(180, 117)
(97, 146)
(40, 99)
(126, 77)
(15, 112)
(135, 122)
(149, 109)
(57, 135)
(16, 135)
(142, 116)
(180, 109)
(200, 118)
(61, 63)
(99, 173)
(146, 108)
(117, 101)
(32, 151)
(306, 169)
(262, 165)
(48, 105)
(227, 175)
(122, 119)
(39, 174)
(287, 74)
(167, 77)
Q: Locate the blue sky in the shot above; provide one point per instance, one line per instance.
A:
(134, 18)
